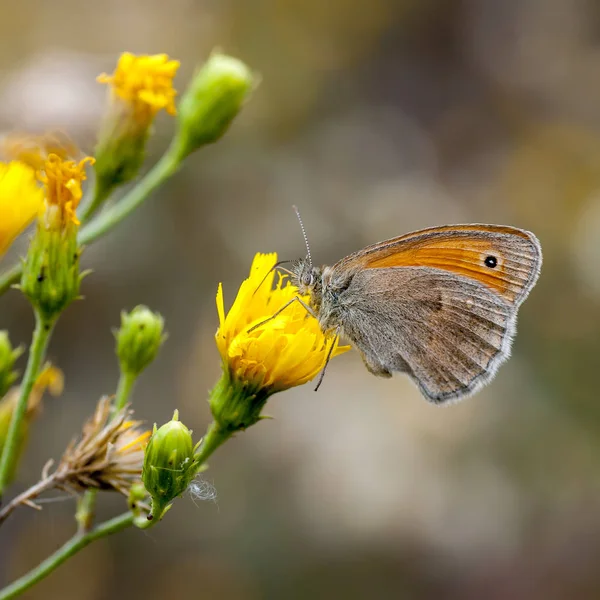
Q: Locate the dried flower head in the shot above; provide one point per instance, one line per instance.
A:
(109, 455)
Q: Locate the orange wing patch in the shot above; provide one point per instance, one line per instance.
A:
(456, 256)
(504, 259)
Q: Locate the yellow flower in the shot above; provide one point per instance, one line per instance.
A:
(140, 87)
(20, 200)
(145, 83)
(62, 182)
(283, 352)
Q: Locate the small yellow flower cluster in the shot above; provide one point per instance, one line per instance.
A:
(145, 83)
(282, 352)
(62, 182)
(38, 160)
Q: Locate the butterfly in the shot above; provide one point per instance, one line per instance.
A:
(438, 304)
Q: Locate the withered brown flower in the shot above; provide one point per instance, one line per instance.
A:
(109, 455)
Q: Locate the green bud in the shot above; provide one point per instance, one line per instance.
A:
(51, 276)
(236, 405)
(139, 339)
(169, 464)
(120, 151)
(8, 357)
(211, 102)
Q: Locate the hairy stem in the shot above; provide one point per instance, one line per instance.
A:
(37, 351)
(101, 193)
(214, 437)
(9, 277)
(124, 388)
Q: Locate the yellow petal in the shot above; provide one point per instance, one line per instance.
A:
(281, 352)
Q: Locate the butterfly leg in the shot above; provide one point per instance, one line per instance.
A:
(309, 310)
(329, 353)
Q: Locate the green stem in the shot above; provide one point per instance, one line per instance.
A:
(160, 172)
(9, 277)
(126, 383)
(87, 503)
(74, 545)
(86, 509)
(101, 193)
(37, 351)
(215, 436)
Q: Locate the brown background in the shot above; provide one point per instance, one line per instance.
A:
(375, 118)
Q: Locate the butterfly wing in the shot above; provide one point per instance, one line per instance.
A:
(505, 259)
(429, 305)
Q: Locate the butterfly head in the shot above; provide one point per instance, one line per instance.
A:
(308, 279)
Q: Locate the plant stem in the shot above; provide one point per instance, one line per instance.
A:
(74, 545)
(126, 383)
(37, 351)
(214, 437)
(9, 277)
(87, 503)
(101, 193)
(160, 172)
(86, 510)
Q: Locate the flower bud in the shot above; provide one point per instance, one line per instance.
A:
(236, 405)
(169, 464)
(211, 102)
(120, 152)
(51, 276)
(139, 339)
(140, 87)
(8, 357)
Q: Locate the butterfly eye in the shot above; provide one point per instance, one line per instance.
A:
(491, 262)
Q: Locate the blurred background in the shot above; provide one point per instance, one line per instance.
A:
(375, 118)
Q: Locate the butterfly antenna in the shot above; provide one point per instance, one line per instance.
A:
(304, 235)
